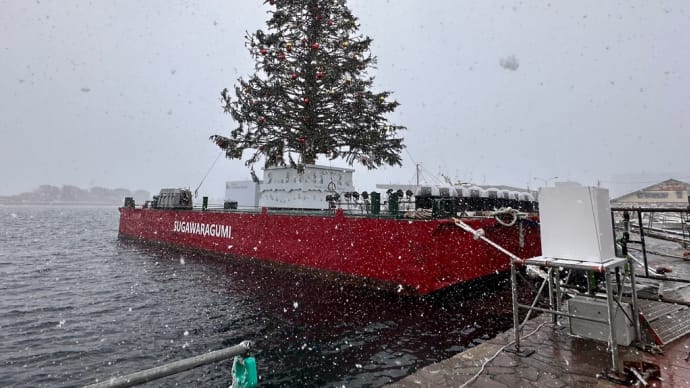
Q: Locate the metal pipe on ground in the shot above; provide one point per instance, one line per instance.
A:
(174, 367)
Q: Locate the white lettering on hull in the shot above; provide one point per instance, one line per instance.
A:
(213, 230)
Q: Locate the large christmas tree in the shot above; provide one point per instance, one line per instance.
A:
(311, 92)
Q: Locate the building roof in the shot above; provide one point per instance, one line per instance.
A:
(667, 185)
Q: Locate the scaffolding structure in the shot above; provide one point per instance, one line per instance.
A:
(576, 236)
(615, 272)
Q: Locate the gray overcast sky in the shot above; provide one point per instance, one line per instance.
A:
(126, 93)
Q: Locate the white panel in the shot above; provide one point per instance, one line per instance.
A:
(245, 193)
(284, 187)
(576, 223)
(596, 308)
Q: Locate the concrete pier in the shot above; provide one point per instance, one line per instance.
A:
(564, 360)
(560, 360)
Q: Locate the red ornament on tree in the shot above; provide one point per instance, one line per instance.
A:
(295, 30)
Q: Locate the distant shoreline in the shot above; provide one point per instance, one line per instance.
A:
(67, 195)
(57, 203)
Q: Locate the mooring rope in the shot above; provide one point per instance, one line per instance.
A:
(196, 191)
(507, 211)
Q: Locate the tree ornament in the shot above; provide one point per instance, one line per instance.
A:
(289, 97)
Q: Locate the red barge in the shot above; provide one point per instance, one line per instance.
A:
(408, 255)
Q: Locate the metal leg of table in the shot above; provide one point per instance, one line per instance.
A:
(557, 295)
(613, 343)
(552, 305)
(516, 318)
(517, 349)
(635, 307)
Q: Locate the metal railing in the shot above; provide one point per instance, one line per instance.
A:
(626, 226)
(172, 368)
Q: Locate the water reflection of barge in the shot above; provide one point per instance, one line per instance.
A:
(417, 251)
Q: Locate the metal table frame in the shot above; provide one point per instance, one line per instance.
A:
(613, 266)
(607, 267)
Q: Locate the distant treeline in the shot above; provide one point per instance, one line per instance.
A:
(73, 194)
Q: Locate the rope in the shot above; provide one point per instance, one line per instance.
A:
(507, 211)
(196, 191)
(496, 355)
(410, 155)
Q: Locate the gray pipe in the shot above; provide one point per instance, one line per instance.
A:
(174, 367)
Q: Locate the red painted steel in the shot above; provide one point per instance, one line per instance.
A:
(420, 255)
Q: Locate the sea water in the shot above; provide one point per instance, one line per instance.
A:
(78, 306)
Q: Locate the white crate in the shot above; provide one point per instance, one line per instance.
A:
(576, 223)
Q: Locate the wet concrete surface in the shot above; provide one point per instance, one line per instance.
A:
(561, 359)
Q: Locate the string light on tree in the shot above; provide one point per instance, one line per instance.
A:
(311, 82)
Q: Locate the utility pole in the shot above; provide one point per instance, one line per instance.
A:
(417, 174)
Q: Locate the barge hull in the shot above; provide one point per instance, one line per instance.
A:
(420, 255)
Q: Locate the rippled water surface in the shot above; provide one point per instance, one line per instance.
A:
(78, 306)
